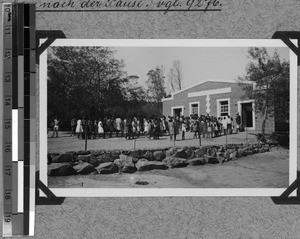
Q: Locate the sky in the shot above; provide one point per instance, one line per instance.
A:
(199, 64)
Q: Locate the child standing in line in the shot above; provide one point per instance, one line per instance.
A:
(204, 126)
(183, 129)
(171, 128)
(55, 127)
(209, 129)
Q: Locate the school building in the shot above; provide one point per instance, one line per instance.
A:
(216, 99)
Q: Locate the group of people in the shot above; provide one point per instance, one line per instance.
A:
(129, 128)
(204, 125)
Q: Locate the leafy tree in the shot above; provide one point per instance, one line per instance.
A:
(175, 77)
(156, 86)
(133, 90)
(270, 76)
(82, 81)
(91, 82)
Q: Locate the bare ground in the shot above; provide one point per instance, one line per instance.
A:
(266, 170)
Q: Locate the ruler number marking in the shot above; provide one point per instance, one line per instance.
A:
(7, 78)
(8, 170)
(8, 30)
(7, 195)
(7, 148)
(7, 54)
(7, 101)
(7, 218)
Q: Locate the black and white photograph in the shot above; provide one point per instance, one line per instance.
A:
(166, 115)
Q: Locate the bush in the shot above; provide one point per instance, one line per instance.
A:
(282, 138)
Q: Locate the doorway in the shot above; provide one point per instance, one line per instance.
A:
(177, 111)
(247, 114)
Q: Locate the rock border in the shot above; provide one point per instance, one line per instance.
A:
(131, 161)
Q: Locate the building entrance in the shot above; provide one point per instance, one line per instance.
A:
(177, 112)
(247, 114)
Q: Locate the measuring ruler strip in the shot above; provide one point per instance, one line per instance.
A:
(14, 115)
(32, 139)
(17, 118)
(7, 117)
(27, 108)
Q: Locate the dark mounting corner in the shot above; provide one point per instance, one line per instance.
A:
(51, 37)
(286, 37)
(284, 197)
(51, 199)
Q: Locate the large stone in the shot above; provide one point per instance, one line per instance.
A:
(200, 152)
(94, 161)
(71, 152)
(137, 154)
(149, 155)
(84, 168)
(96, 153)
(211, 159)
(126, 152)
(170, 152)
(129, 167)
(190, 153)
(196, 161)
(159, 155)
(145, 165)
(116, 152)
(81, 152)
(58, 169)
(104, 158)
(91, 159)
(175, 162)
(204, 160)
(64, 158)
(242, 152)
(180, 154)
(84, 158)
(124, 159)
(107, 168)
(114, 155)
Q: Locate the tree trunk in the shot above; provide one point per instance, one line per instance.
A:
(263, 127)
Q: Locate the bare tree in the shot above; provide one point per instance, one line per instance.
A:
(175, 77)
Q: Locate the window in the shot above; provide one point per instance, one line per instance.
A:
(224, 108)
(194, 109)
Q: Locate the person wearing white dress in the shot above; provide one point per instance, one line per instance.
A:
(100, 129)
(118, 122)
(224, 125)
(79, 128)
(146, 126)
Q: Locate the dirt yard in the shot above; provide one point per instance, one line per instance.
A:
(266, 170)
(65, 142)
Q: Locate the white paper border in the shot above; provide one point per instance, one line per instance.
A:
(167, 192)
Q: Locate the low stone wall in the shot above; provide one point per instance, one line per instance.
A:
(114, 161)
